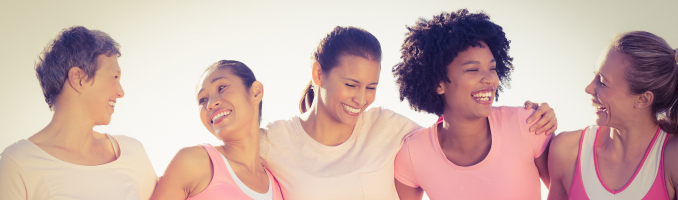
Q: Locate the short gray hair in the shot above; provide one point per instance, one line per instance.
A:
(75, 46)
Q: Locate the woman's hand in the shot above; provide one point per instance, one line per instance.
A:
(547, 122)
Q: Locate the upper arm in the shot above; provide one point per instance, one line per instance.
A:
(186, 174)
(407, 193)
(542, 165)
(562, 157)
(538, 143)
(404, 169)
(12, 184)
(671, 166)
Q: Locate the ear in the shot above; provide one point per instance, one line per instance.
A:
(644, 100)
(256, 92)
(76, 78)
(317, 73)
(441, 88)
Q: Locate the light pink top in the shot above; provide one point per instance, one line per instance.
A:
(646, 183)
(360, 168)
(28, 172)
(507, 172)
(223, 186)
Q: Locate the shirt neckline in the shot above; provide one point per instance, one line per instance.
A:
(51, 157)
(487, 159)
(296, 121)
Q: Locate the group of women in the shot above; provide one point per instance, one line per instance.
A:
(453, 65)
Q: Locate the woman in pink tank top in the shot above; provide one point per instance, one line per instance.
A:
(230, 99)
(634, 93)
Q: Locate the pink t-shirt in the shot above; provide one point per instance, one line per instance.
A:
(508, 171)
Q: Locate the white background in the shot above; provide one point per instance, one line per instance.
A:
(167, 44)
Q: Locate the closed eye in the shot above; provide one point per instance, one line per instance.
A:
(349, 85)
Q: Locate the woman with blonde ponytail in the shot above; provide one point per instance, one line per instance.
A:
(634, 93)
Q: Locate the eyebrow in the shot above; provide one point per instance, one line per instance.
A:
(350, 79)
(476, 62)
(213, 80)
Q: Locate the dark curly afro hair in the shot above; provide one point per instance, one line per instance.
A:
(431, 45)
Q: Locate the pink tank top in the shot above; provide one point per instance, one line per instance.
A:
(223, 186)
(646, 183)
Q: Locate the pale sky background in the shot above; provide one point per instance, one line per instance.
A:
(166, 45)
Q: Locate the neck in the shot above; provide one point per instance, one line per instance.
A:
(244, 150)
(464, 134)
(633, 134)
(320, 126)
(69, 128)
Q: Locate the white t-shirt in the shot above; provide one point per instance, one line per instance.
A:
(28, 172)
(360, 168)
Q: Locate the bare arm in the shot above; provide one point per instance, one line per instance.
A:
(408, 193)
(188, 174)
(542, 165)
(671, 166)
(562, 158)
(545, 116)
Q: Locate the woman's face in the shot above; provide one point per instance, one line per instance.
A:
(105, 89)
(225, 104)
(610, 90)
(349, 88)
(473, 83)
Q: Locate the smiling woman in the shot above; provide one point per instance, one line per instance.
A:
(454, 65)
(622, 156)
(80, 78)
(229, 98)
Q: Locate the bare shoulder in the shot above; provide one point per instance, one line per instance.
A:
(564, 149)
(192, 158)
(566, 141)
(191, 164)
(671, 151)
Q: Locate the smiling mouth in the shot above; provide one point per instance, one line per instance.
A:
(482, 95)
(220, 115)
(111, 103)
(599, 107)
(351, 110)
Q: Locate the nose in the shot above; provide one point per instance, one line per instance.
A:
(359, 97)
(212, 103)
(120, 92)
(490, 77)
(591, 87)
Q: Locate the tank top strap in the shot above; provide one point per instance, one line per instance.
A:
(219, 172)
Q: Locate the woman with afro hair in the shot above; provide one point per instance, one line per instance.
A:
(338, 147)
(454, 66)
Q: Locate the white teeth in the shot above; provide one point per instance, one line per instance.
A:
(220, 115)
(111, 103)
(482, 96)
(599, 107)
(351, 109)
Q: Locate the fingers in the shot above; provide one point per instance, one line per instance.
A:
(540, 110)
(552, 129)
(548, 122)
(530, 105)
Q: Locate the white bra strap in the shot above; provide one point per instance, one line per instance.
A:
(115, 145)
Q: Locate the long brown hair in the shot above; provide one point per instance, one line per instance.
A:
(341, 41)
(653, 68)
